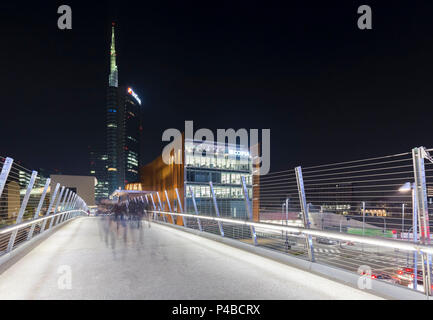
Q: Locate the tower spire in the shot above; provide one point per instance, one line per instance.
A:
(113, 80)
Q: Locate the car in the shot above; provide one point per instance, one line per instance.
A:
(326, 241)
(406, 275)
(384, 276)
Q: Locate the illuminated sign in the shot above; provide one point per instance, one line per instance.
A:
(132, 93)
(239, 153)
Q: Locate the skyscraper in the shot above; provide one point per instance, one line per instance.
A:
(98, 169)
(123, 128)
(112, 120)
(130, 136)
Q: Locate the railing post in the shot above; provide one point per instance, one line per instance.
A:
(53, 198)
(418, 155)
(75, 206)
(216, 208)
(7, 165)
(74, 199)
(71, 202)
(195, 208)
(22, 210)
(57, 206)
(79, 203)
(60, 218)
(65, 207)
(169, 206)
(68, 202)
(180, 207)
(62, 206)
(38, 210)
(160, 206)
(249, 210)
(304, 209)
(154, 206)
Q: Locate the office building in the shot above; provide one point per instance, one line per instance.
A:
(83, 186)
(224, 165)
(123, 129)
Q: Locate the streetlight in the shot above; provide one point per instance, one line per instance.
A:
(363, 222)
(282, 220)
(402, 220)
(406, 188)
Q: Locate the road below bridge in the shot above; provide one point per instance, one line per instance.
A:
(93, 258)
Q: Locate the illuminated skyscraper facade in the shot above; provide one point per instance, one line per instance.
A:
(129, 136)
(123, 129)
(112, 120)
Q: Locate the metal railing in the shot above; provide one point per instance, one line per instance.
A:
(28, 206)
(367, 216)
(383, 259)
(14, 235)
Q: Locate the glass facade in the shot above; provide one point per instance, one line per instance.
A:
(224, 165)
(123, 130)
(98, 169)
(112, 132)
(131, 138)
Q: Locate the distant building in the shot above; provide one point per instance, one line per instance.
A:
(123, 129)
(83, 186)
(129, 136)
(225, 167)
(15, 189)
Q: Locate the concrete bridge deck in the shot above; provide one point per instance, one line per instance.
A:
(93, 258)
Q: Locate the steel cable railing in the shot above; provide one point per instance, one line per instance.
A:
(389, 259)
(30, 205)
(355, 213)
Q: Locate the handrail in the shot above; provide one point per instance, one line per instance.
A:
(33, 221)
(381, 242)
(35, 201)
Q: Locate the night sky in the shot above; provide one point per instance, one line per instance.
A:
(328, 91)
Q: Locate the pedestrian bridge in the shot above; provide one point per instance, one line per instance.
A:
(352, 230)
(94, 258)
